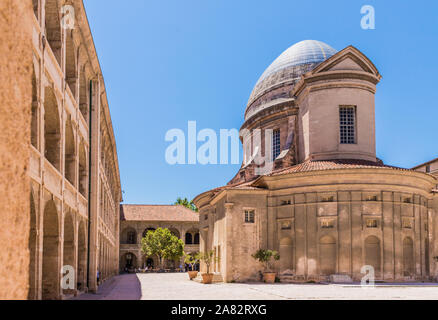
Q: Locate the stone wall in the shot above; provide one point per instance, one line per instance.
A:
(15, 115)
(127, 246)
(328, 222)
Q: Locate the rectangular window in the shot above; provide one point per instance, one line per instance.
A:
(327, 224)
(286, 225)
(428, 169)
(275, 144)
(407, 223)
(371, 223)
(249, 216)
(327, 199)
(347, 122)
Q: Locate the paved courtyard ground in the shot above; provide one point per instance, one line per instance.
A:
(176, 286)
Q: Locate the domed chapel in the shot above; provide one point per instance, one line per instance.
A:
(320, 197)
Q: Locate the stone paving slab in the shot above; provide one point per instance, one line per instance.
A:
(176, 286)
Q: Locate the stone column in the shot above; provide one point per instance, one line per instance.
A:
(95, 188)
(226, 263)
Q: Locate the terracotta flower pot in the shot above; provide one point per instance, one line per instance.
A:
(207, 278)
(269, 277)
(192, 274)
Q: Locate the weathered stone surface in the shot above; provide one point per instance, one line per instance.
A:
(15, 99)
(333, 207)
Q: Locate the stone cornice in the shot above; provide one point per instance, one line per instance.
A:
(282, 109)
(83, 23)
(337, 75)
(263, 181)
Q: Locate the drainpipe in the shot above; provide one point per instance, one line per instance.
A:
(89, 181)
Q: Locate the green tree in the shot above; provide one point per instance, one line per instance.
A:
(186, 203)
(265, 257)
(162, 244)
(208, 258)
(191, 259)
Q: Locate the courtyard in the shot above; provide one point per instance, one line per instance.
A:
(176, 286)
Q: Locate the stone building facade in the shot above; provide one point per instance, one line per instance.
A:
(430, 167)
(136, 220)
(310, 185)
(15, 99)
(75, 183)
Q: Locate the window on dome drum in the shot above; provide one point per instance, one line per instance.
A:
(428, 169)
(275, 144)
(328, 199)
(286, 225)
(347, 122)
(249, 216)
(327, 224)
(406, 222)
(371, 223)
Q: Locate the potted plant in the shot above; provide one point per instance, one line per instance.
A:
(208, 258)
(265, 257)
(191, 259)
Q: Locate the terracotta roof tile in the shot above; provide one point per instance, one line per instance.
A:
(134, 212)
(333, 165)
(243, 185)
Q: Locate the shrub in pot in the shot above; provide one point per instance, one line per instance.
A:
(191, 259)
(208, 258)
(266, 257)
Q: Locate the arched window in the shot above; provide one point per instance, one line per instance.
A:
(52, 131)
(131, 237)
(71, 74)
(196, 240)
(35, 8)
(83, 170)
(146, 231)
(70, 154)
(51, 250)
(68, 244)
(33, 252)
(188, 238)
(130, 261)
(175, 232)
(82, 256)
(53, 28)
(34, 122)
(83, 95)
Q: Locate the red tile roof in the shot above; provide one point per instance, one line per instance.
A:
(308, 166)
(135, 212)
(333, 165)
(425, 163)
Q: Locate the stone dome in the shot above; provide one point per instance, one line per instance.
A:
(280, 77)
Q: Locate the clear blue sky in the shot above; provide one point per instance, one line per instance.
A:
(168, 62)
